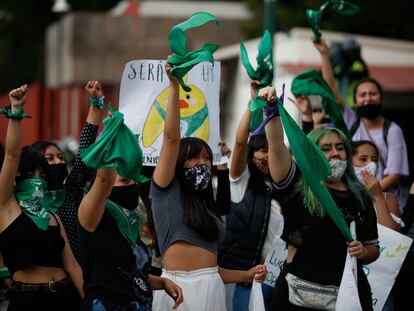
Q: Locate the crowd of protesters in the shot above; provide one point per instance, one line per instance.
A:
(64, 249)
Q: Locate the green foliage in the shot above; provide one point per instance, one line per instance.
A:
(22, 37)
(381, 18)
(23, 25)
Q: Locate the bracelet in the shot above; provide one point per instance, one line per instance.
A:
(4, 273)
(97, 102)
(307, 113)
(14, 115)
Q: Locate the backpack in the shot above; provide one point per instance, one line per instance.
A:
(385, 129)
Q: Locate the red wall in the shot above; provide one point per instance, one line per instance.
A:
(56, 113)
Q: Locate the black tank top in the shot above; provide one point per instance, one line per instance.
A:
(110, 264)
(23, 244)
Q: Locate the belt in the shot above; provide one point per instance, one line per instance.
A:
(52, 286)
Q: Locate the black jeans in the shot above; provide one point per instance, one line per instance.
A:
(66, 299)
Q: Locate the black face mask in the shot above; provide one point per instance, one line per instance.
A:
(370, 111)
(57, 175)
(126, 196)
(198, 176)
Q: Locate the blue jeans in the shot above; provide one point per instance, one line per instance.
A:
(98, 306)
(241, 297)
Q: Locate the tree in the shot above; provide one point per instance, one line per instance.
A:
(22, 37)
(381, 18)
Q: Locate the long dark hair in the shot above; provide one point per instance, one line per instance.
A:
(356, 144)
(41, 145)
(256, 181)
(198, 206)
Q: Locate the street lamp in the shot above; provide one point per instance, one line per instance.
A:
(269, 16)
(60, 6)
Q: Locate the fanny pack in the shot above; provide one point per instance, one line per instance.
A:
(311, 295)
(140, 284)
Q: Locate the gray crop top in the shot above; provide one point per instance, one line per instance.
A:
(167, 213)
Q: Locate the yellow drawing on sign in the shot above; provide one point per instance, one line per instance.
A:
(193, 115)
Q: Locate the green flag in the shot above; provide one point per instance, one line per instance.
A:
(116, 147)
(183, 60)
(314, 168)
(326, 10)
(263, 73)
(310, 82)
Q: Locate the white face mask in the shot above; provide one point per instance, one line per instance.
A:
(338, 169)
(371, 167)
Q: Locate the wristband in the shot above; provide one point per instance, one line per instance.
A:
(14, 115)
(97, 102)
(4, 273)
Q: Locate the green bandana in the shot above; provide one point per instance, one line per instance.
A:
(116, 147)
(263, 73)
(13, 115)
(314, 168)
(311, 82)
(183, 60)
(29, 194)
(127, 221)
(196, 120)
(54, 199)
(326, 10)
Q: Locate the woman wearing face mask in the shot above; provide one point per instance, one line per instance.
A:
(114, 260)
(367, 123)
(316, 248)
(186, 218)
(33, 241)
(66, 191)
(255, 218)
(365, 161)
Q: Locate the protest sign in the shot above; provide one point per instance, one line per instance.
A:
(143, 100)
(381, 273)
(275, 260)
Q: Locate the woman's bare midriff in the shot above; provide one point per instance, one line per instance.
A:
(39, 274)
(184, 256)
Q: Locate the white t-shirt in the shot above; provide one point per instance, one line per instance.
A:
(238, 188)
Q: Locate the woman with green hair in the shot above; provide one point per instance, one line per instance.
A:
(316, 247)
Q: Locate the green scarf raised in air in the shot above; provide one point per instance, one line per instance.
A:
(183, 60)
(126, 220)
(326, 10)
(30, 194)
(263, 73)
(311, 82)
(116, 147)
(314, 168)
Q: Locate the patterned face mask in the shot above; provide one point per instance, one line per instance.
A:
(198, 176)
(338, 169)
(371, 167)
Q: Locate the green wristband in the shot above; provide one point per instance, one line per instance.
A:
(97, 102)
(13, 115)
(4, 273)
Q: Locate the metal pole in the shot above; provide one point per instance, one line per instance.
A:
(269, 16)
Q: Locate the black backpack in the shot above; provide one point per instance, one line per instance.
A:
(385, 129)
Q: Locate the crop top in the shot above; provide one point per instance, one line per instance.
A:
(168, 215)
(23, 244)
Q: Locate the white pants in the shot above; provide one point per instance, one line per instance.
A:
(203, 290)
